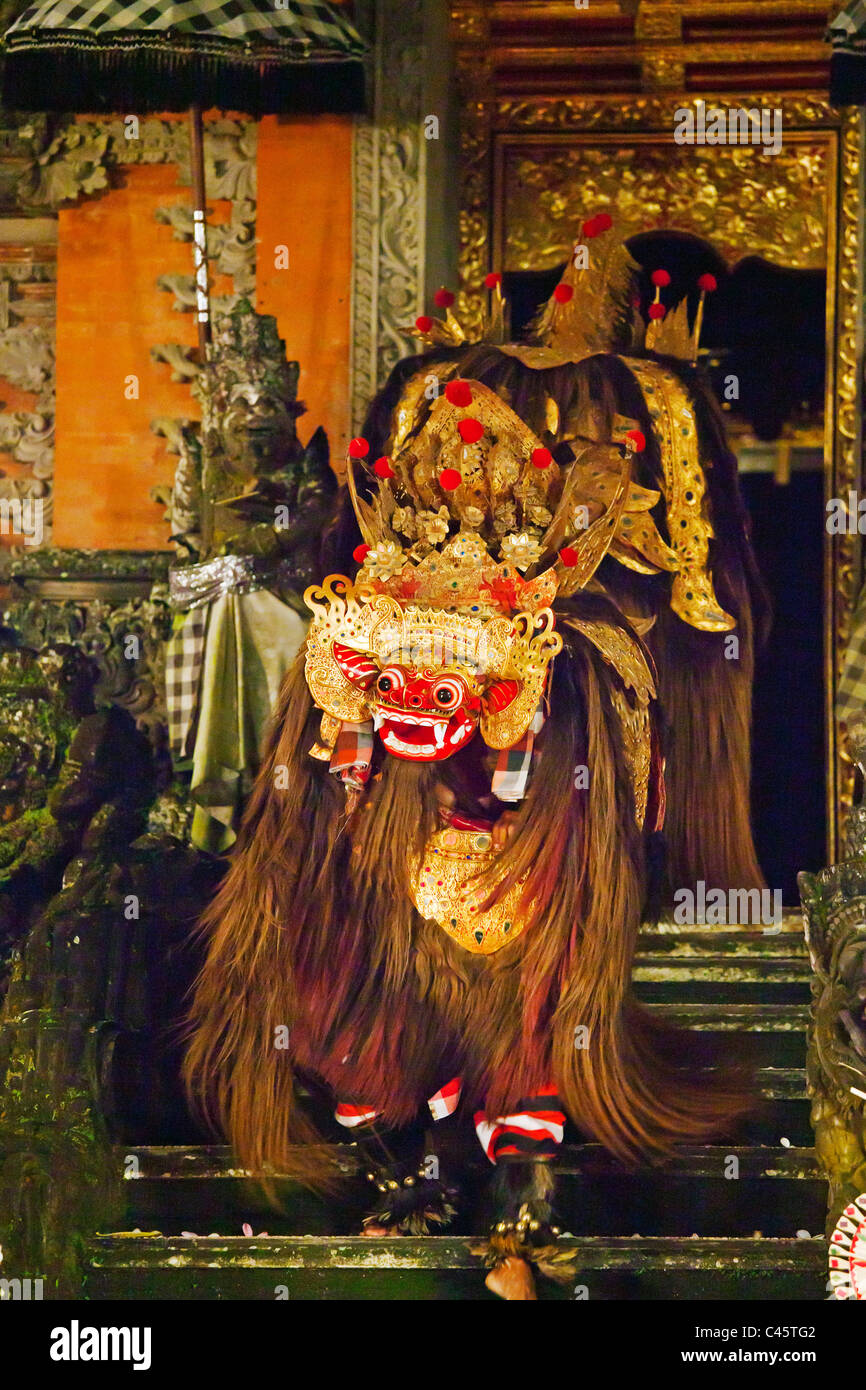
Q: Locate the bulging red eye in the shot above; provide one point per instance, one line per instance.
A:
(384, 685)
(446, 696)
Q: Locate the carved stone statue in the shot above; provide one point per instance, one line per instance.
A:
(245, 484)
(834, 909)
(247, 510)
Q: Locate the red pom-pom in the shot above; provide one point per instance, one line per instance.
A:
(492, 280)
(458, 393)
(541, 458)
(470, 432)
(423, 323)
(563, 293)
(707, 282)
(450, 479)
(657, 311)
(637, 439)
(443, 298)
(590, 228)
(360, 553)
(602, 221)
(382, 468)
(358, 448)
(568, 556)
(660, 278)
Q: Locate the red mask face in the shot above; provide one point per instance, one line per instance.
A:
(424, 716)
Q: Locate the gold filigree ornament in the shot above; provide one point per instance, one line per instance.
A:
(673, 419)
(627, 656)
(450, 882)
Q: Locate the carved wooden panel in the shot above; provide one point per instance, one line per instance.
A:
(732, 195)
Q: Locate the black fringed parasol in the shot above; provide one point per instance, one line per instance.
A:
(157, 55)
(257, 56)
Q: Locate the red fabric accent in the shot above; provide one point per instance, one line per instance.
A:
(459, 822)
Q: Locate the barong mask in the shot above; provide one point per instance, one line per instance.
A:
(471, 530)
(426, 678)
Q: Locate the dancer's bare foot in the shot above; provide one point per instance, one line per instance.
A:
(373, 1230)
(513, 1280)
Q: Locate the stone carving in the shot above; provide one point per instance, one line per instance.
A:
(97, 895)
(231, 246)
(106, 605)
(81, 157)
(27, 363)
(27, 354)
(388, 285)
(74, 164)
(183, 289)
(245, 484)
(834, 909)
(180, 359)
(42, 698)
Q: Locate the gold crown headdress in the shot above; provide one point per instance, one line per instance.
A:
(472, 512)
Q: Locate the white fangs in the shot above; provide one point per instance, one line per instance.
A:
(410, 750)
(418, 751)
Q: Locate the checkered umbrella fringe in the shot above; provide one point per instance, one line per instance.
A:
(158, 55)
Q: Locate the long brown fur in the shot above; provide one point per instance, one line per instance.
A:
(313, 928)
(705, 695)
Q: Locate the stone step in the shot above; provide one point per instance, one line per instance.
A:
(433, 1268)
(176, 1163)
(721, 968)
(768, 1035)
(701, 988)
(782, 1083)
(721, 1189)
(790, 927)
(736, 1018)
(694, 943)
(718, 966)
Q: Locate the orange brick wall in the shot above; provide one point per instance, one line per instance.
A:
(305, 204)
(110, 312)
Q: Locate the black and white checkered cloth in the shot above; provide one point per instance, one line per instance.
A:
(851, 695)
(184, 658)
(310, 25)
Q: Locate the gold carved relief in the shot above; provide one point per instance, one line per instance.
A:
(731, 195)
(843, 451)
